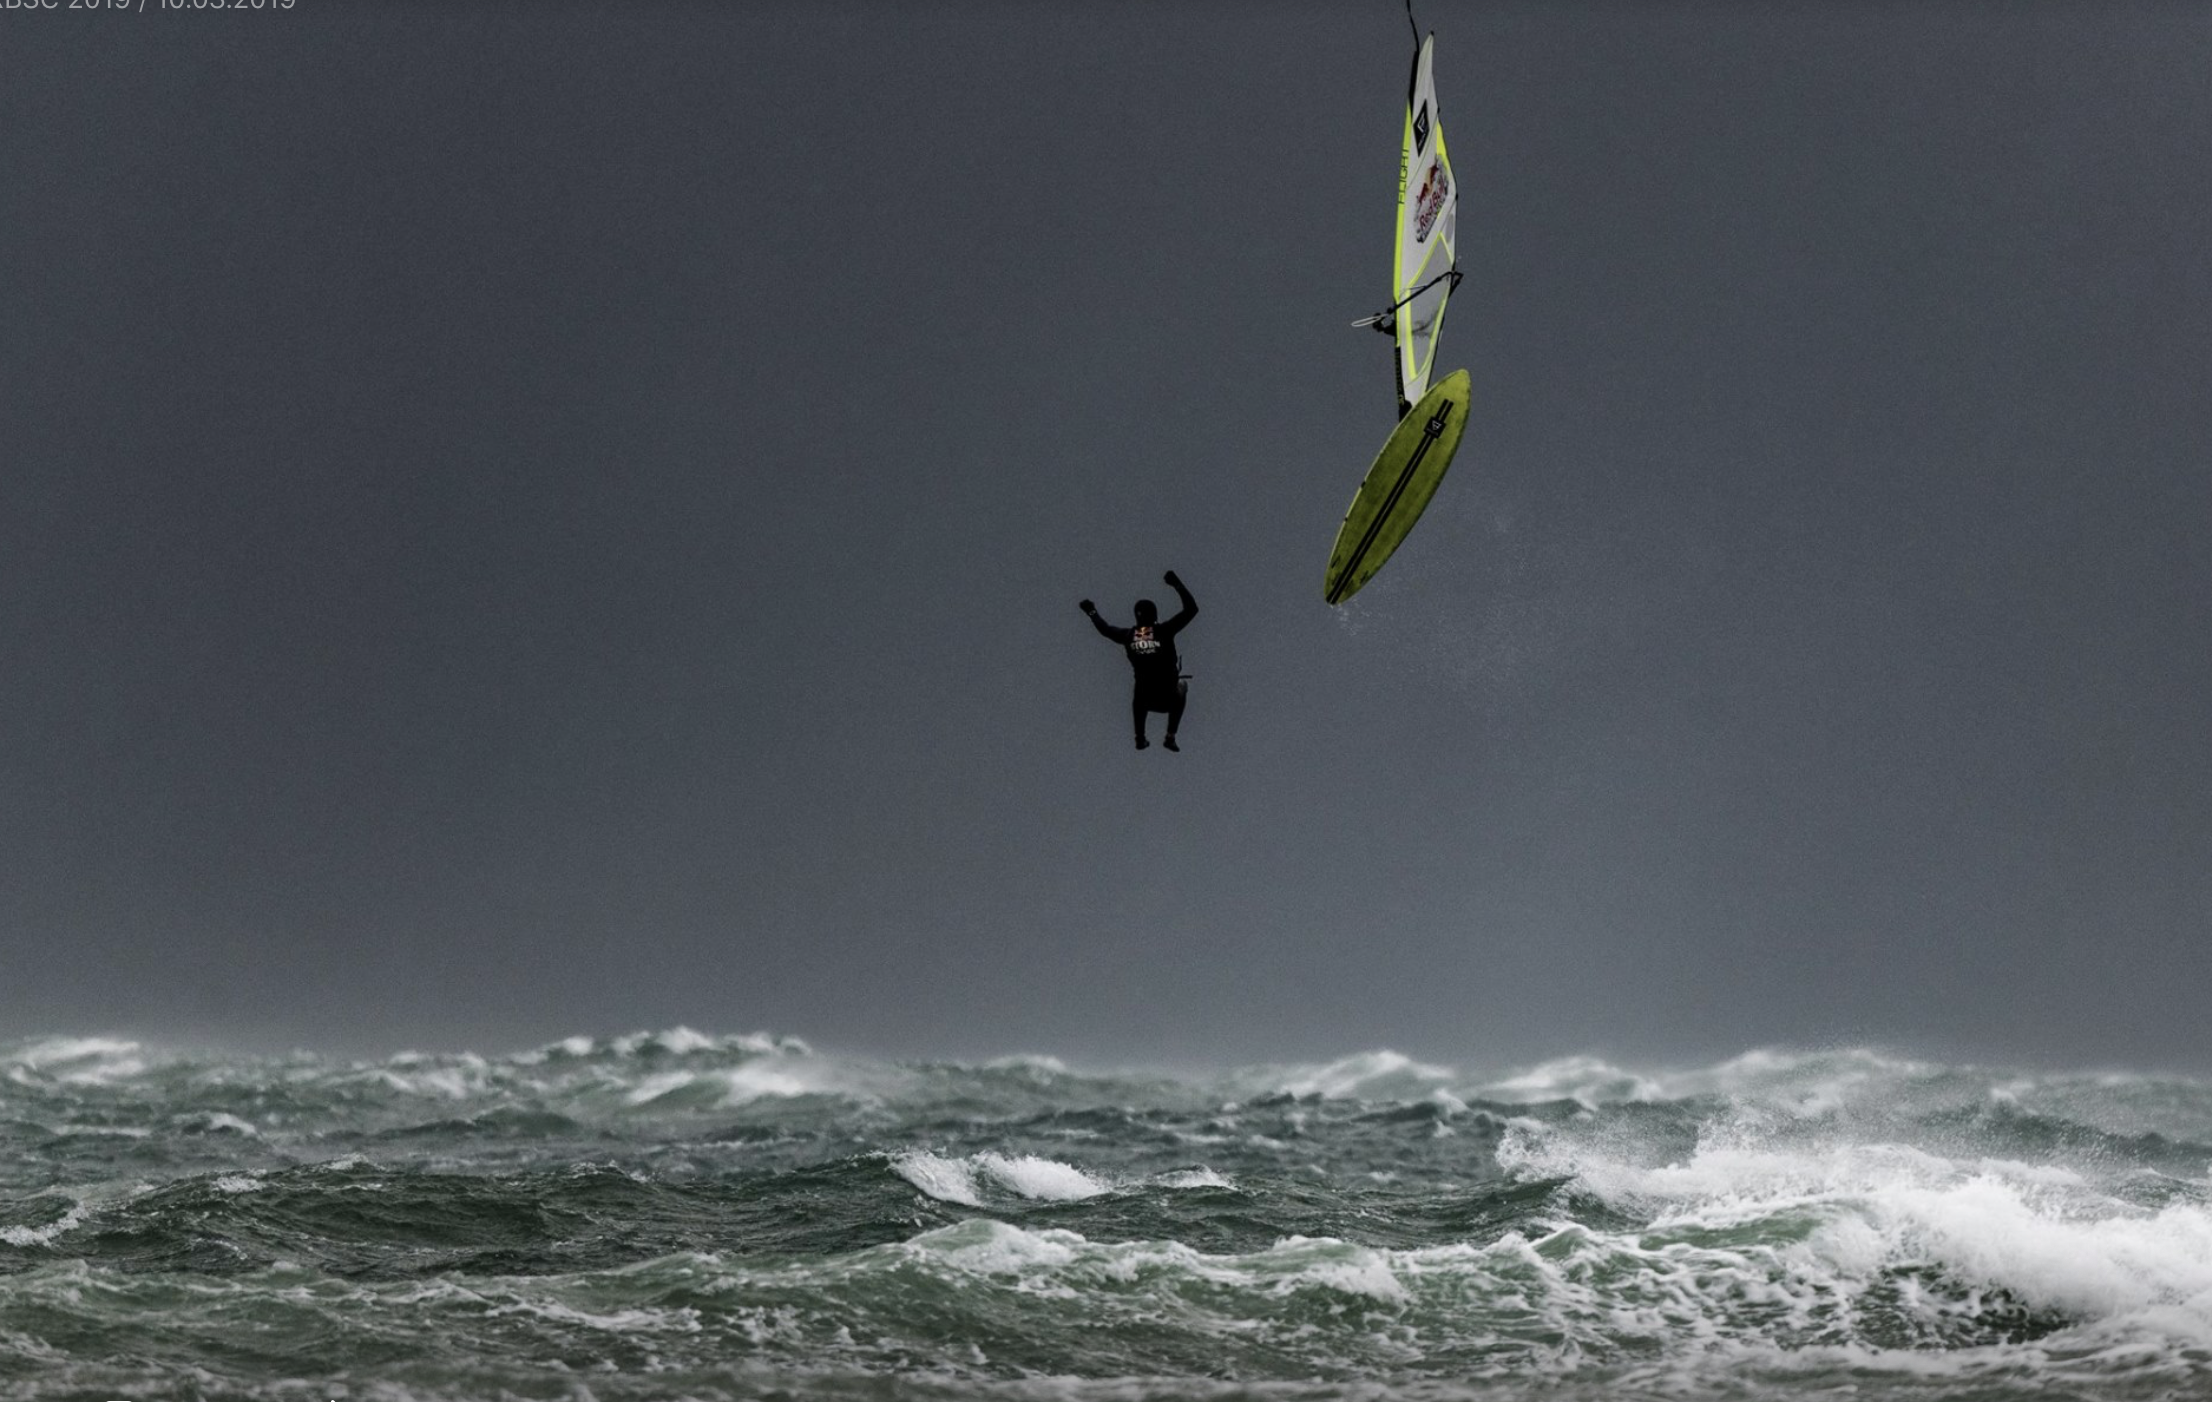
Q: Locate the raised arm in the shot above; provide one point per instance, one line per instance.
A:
(1183, 615)
(1113, 634)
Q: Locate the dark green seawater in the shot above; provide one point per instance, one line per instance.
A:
(677, 1216)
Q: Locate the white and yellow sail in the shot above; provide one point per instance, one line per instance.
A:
(1431, 417)
(1428, 233)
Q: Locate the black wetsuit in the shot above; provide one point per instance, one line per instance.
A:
(1152, 656)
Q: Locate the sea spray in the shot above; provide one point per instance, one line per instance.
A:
(674, 1214)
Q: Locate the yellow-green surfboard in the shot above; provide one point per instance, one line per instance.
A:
(1398, 487)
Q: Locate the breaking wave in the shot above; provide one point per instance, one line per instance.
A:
(672, 1213)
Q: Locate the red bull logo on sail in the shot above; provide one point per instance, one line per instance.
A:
(1436, 184)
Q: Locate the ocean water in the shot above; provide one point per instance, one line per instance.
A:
(672, 1215)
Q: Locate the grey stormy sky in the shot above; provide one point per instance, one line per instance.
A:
(529, 519)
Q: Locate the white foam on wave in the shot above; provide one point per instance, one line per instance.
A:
(683, 1041)
(568, 1048)
(772, 1076)
(217, 1122)
(1324, 1263)
(1362, 1075)
(1640, 1313)
(442, 1083)
(639, 1320)
(654, 1087)
(1809, 1084)
(2115, 1102)
(680, 1066)
(676, 1041)
(460, 1076)
(2047, 1234)
(1370, 1277)
(965, 1180)
(947, 1180)
(1028, 1061)
(988, 1247)
(2107, 1267)
(1047, 1180)
(1589, 1079)
(1192, 1178)
(41, 1236)
(758, 1079)
(1060, 1262)
(75, 1060)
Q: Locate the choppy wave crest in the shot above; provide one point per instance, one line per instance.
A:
(673, 1213)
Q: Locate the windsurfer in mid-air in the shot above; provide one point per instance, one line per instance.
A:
(1151, 649)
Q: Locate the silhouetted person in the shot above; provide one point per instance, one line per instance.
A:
(1151, 649)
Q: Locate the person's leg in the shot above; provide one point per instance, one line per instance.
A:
(1137, 712)
(1175, 712)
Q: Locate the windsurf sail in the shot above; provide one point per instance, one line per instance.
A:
(1427, 265)
(1431, 419)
